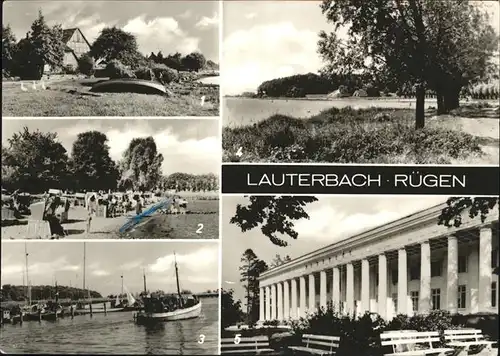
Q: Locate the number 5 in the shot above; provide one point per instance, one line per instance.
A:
(201, 339)
(200, 227)
(237, 339)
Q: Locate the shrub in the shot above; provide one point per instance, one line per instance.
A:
(86, 64)
(271, 323)
(115, 69)
(68, 69)
(145, 73)
(164, 74)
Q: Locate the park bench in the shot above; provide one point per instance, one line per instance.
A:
(318, 344)
(465, 338)
(413, 343)
(245, 345)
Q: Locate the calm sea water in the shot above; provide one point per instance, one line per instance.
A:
(246, 111)
(115, 333)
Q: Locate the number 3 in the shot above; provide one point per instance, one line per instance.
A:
(200, 227)
(237, 339)
(201, 339)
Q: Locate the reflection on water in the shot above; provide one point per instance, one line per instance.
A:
(115, 333)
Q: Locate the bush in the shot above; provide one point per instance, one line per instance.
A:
(115, 69)
(144, 73)
(164, 74)
(86, 64)
(69, 69)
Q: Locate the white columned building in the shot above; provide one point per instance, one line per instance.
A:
(408, 266)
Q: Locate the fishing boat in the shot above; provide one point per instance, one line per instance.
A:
(129, 85)
(168, 307)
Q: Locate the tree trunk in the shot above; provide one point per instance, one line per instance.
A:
(440, 102)
(420, 107)
(452, 98)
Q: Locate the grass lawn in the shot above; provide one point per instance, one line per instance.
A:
(67, 98)
(373, 135)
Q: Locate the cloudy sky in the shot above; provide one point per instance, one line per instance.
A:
(263, 40)
(188, 146)
(107, 261)
(169, 26)
(331, 219)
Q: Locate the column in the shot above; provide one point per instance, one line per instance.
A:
(280, 301)
(273, 302)
(268, 303)
(286, 302)
(402, 282)
(336, 288)
(485, 270)
(261, 304)
(424, 300)
(365, 286)
(294, 312)
(312, 294)
(322, 289)
(349, 295)
(302, 292)
(382, 286)
(452, 275)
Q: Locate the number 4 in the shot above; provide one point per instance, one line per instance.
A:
(237, 339)
(200, 227)
(239, 153)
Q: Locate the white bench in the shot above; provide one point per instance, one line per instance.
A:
(465, 338)
(245, 345)
(413, 343)
(318, 344)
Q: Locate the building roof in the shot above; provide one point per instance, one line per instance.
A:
(68, 33)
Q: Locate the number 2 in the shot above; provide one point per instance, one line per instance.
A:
(200, 227)
(201, 339)
(237, 339)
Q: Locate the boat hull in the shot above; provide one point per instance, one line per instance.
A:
(180, 314)
(129, 86)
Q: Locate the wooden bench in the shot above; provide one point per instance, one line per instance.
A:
(245, 345)
(414, 343)
(318, 344)
(465, 338)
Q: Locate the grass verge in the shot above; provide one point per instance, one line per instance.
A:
(346, 135)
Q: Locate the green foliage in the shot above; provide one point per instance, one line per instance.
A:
(164, 74)
(274, 214)
(273, 323)
(193, 61)
(115, 44)
(190, 182)
(250, 271)
(144, 73)
(231, 312)
(348, 136)
(18, 293)
(115, 69)
(86, 64)
(480, 207)
(92, 168)
(9, 48)
(141, 165)
(35, 161)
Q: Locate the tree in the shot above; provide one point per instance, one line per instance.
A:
(231, 312)
(412, 42)
(480, 207)
(36, 160)
(278, 261)
(275, 214)
(9, 47)
(86, 64)
(114, 43)
(141, 165)
(194, 61)
(250, 271)
(91, 165)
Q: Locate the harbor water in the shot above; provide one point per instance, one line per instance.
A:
(116, 333)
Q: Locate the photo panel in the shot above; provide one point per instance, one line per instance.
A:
(325, 81)
(341, 273)
(153, 297)
(142, 58)
(110, 179)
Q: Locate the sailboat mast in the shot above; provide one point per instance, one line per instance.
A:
(84, 248)
(144, 277)
(27, 274)
(177, 280)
